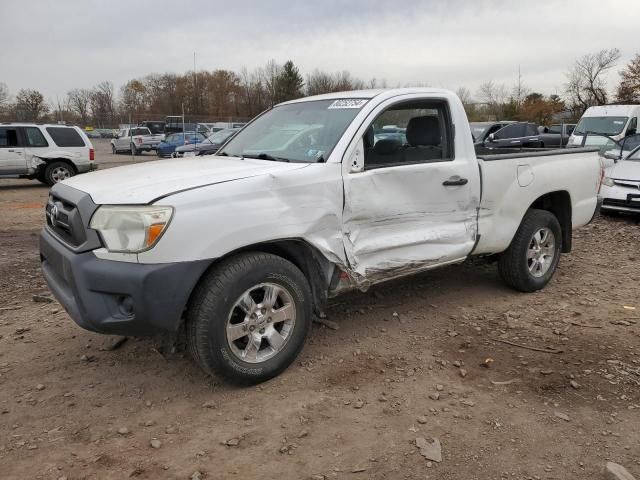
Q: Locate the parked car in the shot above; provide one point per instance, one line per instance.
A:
(154, 126)
(48, 153)
(92, 133)
(208, 146)
(556, 135)
(174, 140)
(391, 132)
(238, 250)
(135, 140)
(516, 135)
(621, 183)
(613, 121)
(107, 132)
(481, 130)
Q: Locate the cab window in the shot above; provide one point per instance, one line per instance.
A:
(409, 133)
(8, 137)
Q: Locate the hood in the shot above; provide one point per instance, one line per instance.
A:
(625, 170)
(145, 182)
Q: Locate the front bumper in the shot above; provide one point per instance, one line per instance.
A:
(621, 199)
(118, 298)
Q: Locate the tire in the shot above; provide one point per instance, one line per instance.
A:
(516, 268)
(57, 171)
(134, 150)
(241, 346)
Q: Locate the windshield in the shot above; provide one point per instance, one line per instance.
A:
(604, 125)
(299, 132)
(220, 136)
(477, 130)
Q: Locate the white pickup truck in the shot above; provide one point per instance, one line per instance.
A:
(241, 249)
(135, 140)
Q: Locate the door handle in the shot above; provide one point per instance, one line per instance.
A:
(455, 181)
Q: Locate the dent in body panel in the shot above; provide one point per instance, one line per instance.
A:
(304, 204)
(394, 224)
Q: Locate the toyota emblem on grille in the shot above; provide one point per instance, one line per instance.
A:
(53, 215)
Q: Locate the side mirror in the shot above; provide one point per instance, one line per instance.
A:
(611, 155)
(491, 137)
(117, 135)
(545, 130)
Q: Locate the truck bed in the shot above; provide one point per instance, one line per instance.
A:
(536, 153)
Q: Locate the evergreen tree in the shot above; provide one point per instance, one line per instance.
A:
(289, 83)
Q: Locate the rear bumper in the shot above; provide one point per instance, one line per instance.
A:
(118, 298)
(87, 167)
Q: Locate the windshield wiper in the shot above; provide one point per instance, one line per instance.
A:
(266, 156)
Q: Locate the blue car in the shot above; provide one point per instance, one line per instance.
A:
(174, 140)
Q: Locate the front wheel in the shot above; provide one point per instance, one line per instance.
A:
(134, 150)
(249, 317)
(532, 258)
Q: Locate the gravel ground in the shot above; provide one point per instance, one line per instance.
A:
(421, 358)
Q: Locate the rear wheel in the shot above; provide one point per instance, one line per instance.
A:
(532, 258)
(57, 171)
(249, 317)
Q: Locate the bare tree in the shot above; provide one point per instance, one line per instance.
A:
(30, 105)
(79, 101)
(629, 87)
(319, 82)
(102, 104)
(586, 85)
(519, 91)
(4, 96)
(495, 97)
(60, 110)
(270, 74)
(464, 95)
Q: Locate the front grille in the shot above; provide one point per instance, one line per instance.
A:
(68, 212)
(64, 219)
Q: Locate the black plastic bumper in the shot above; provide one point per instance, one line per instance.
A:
(597, 210)
(118, 298)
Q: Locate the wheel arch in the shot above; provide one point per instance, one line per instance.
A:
(558, 203)
(318, 270)
(48, 161)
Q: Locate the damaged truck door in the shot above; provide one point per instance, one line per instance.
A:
(410, 199)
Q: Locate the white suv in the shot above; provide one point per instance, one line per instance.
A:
(48, 153)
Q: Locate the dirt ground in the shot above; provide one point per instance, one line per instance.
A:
(408, 361)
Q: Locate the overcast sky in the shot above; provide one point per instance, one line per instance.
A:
(54, 46)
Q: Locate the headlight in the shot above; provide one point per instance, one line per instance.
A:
(607, 181)
(131, 229)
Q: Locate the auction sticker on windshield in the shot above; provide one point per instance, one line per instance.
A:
(348, 103)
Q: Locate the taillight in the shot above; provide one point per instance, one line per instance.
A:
(92, 155)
